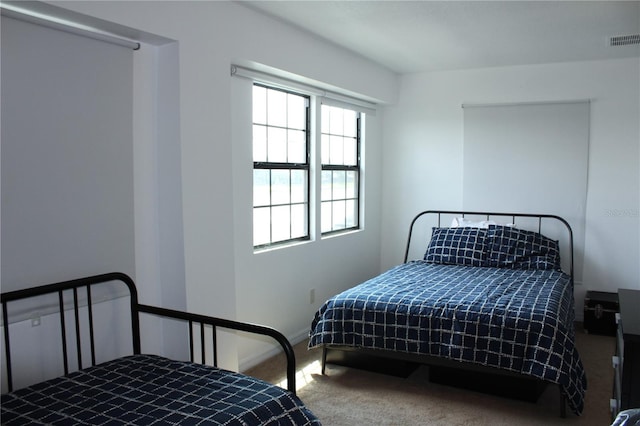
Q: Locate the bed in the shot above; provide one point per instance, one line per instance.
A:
(136, 388)
(486, 295)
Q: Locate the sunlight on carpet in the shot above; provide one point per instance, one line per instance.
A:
(304, 375)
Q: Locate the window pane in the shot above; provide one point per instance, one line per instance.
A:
(296, 110)
(280, 223)
(338, 221)
(297, 147)
(259, 105)
(261, 187)
(336, 125)
(326, 186)
(352, 185)
(277, 108)
(325, 148)
(339, 185)
(325, 214)
(280, 187)
(298, 186)
(261, 226)
(277, 145)
(259, 143)
(350, 152)
(352, 213)
(325, 119)
(350, 123)
(298, 220)
(336, 153)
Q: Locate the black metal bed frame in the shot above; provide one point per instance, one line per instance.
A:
(437, 361)
(195, 322)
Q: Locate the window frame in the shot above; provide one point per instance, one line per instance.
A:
(346, 168)
(267, 165)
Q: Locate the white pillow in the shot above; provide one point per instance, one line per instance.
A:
(460, 222)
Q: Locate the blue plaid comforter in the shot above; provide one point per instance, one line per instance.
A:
(151, 390)
(518, 320)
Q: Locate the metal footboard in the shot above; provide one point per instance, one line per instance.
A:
(81, 295)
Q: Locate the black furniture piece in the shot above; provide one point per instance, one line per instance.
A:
(626, 362)
(600, 308)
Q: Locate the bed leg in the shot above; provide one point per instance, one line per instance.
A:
(324, 359)
(563, 405)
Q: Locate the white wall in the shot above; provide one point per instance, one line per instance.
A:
(423, 154)
(210, 37)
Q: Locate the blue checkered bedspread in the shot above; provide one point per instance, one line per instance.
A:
(151, 390)
(518, 320)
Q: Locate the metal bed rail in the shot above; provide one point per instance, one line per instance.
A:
(199, 322)
(72, 287)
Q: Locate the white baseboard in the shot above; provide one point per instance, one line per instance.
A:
(255, 359)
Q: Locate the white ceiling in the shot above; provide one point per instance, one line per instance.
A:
(416, 36)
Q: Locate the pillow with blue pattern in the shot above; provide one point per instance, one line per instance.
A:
(457, 246)
(510, 247)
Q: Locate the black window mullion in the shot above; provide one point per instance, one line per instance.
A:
(358, 130)
(280, 166)
(358, 151)
(270, 201)
(340, 167)
(307, 197)
(290, 202)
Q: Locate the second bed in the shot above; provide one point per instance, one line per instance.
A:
(489, 295)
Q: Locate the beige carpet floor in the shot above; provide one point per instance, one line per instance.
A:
(350, 396)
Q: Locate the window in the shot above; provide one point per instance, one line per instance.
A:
(340, 188)
(280, 166)
(283, 199)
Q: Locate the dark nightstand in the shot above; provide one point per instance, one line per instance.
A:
(600, 309)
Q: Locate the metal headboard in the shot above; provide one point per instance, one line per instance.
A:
(492, 215)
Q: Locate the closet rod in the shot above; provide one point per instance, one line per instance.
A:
(15, 12)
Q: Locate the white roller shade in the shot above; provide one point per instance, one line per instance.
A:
(67, 156)
(529, 158)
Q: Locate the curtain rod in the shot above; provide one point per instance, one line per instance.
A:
(286, 83)
(16, 12)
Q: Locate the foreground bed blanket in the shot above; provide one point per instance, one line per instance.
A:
(518, 320)
(147, 389)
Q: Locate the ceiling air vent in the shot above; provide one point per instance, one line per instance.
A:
(625, 40)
